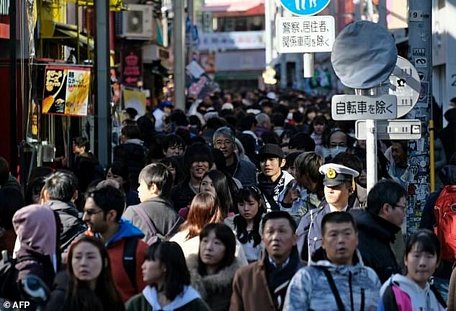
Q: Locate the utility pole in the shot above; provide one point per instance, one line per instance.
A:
(420, 55)
(13, 87)
(102, 83)
(179, 54)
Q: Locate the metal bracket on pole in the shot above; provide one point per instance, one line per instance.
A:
(371, 143)
(308, 60)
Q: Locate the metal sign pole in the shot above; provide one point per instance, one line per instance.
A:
(308, 59)
(371, 145)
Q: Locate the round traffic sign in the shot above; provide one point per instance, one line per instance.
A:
(364, 55)
(405, 84)
(304, 7)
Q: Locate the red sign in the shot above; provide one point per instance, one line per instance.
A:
(132, 67)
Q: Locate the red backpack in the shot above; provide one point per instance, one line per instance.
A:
(445, 222)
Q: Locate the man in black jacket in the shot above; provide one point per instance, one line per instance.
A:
(378, 225)
(60, 191)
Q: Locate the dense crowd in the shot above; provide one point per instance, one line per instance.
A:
(252, 202)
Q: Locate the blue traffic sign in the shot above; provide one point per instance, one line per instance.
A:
(305, 7)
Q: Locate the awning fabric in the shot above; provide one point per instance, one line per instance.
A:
(71, 31)
(114, 5)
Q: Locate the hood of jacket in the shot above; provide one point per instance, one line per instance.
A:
(189, 294)
(215, 282)
(126, 230)
(67, 207)
(420, 297)
(376, 225)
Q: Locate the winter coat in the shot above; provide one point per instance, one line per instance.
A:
(215, 289)
(189, 300)
(407, 296)
(160, 212)
(356, 284)
(251, 289)
(87, 169)
(272, 190)
(132, 153)
(245, 172)
(375, 236)
(309, 229)
(72, 224)
(56, 301)
(182, 195)
(115, 246)
(452, 292)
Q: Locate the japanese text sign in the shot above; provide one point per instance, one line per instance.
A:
(66, 90)
(305, 34)
(356, 107)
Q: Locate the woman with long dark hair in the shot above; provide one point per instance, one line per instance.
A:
(87, 284)
(217, 183)
(212, 269)
(246, 224)
(168, 279)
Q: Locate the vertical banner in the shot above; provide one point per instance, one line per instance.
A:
(66, 90)
(132, 66)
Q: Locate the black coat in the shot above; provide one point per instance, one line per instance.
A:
(375, 235)
(133, 155)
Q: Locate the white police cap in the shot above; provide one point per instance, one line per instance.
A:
(336, 174)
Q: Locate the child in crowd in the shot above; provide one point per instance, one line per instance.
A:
(246, 224)
(413, 290)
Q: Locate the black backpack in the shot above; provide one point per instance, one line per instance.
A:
(9, 289)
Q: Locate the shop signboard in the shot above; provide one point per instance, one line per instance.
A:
(66, 90)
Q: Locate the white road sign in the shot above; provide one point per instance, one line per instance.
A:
(356, 107)
(405, 84)
(406, 129)
(305, 34)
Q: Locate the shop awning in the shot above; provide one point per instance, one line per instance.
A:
(69, 33)
(114, 5)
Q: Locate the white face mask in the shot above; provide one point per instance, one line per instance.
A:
(333, 151)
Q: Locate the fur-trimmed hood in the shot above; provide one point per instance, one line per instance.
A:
(209, 284)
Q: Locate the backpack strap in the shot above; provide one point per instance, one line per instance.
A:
(332, 284)
(438, 296)
(129, 260)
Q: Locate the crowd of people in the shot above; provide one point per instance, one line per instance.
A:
(253, 202)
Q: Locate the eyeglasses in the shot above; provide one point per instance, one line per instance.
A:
(403, 207)
(91, 213)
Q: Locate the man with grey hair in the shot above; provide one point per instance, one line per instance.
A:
(224, 140)
(264, 124)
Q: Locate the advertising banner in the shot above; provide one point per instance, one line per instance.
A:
(66, 90)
